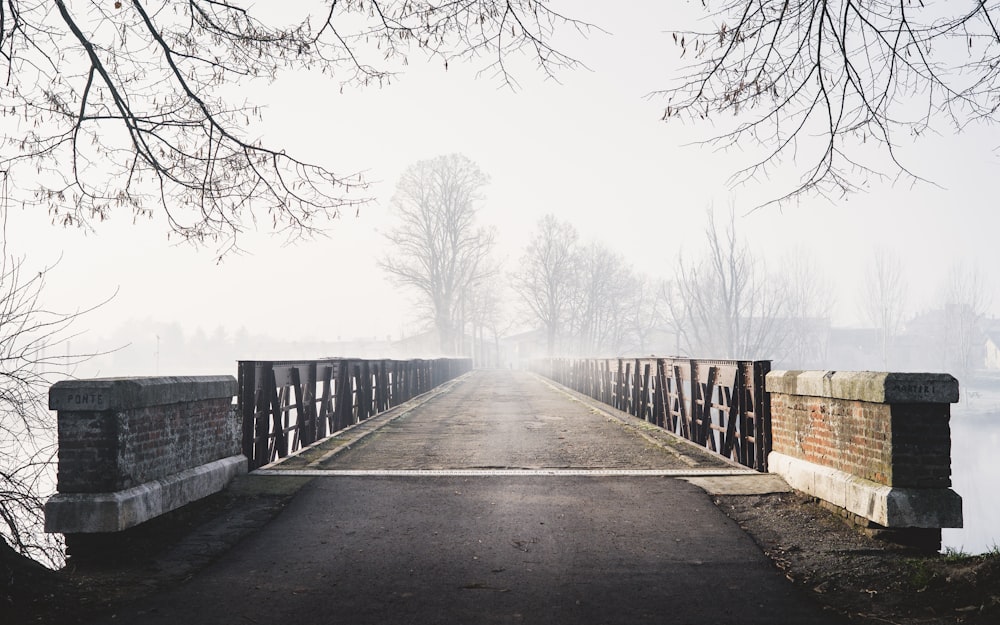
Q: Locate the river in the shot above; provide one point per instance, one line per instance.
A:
(975, 466)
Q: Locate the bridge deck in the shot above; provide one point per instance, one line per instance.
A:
(510, 420)
(457, 510)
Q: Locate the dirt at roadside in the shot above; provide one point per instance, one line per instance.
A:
(868, 580)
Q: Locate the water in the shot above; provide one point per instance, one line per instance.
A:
(975, 465)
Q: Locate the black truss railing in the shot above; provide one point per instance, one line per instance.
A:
(287, 405)
(718, 404)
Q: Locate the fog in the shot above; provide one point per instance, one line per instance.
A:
(589, 148)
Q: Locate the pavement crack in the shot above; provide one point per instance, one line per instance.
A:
(482, 586)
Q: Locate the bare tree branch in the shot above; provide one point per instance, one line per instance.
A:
(123, 106)
(851, 73)
(32, 356)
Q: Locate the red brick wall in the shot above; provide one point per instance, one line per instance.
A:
(117, 449)
(88, 458)
(921, 445)
(901, 445)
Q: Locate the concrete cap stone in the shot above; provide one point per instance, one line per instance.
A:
(870, 386)
(126, 393)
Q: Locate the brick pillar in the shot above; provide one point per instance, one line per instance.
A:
(877, 445)
(131, 449)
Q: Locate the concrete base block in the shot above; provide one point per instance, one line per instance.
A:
(87, 513)
(887, 506)
(756, 484)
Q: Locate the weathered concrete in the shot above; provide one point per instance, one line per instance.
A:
(89, 513)
(126, 393)
(758, 484)
(482, 548)
(869, 386)
(889, 507)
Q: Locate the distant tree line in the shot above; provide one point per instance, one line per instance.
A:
(721, 300)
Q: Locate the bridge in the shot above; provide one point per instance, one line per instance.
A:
(578, 493)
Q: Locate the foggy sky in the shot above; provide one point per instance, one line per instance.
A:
(591, 150)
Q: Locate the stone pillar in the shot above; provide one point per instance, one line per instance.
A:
(131, 449)
(877, 445)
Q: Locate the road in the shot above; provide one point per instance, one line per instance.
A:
(456, 512)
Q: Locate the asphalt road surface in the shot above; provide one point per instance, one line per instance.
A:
(533, 547)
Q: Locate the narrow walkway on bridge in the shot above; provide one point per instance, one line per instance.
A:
(497, 498)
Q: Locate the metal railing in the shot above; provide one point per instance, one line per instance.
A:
(718, 404)
(287, 405)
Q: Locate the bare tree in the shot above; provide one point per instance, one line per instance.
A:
(883, 299)
(966, 301)
(808, 295)
(546, 278)
(488, 314)
(602, 301)
(850, 72)
(438, 249)
(587, 298)
(646, 312)
(32, 341)
(112, 106)
(726, 306)
(674, 316)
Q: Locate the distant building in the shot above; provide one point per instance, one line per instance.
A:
(806, 343)
(853, 349)
(992, 359)
(519, 349)
(422, 345)
(482, 350)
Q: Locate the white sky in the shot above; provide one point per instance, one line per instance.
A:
(591, 150)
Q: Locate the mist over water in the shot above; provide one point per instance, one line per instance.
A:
(975, 466)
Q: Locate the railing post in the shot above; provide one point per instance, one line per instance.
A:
(324, 416)
(279, 419)
(684, 403)
(739, 416)
(265, 381)
(762, 414)
(383, 386)
(414, 382)
(659, 399)
(301, 410)
(605, 382)
(644, 405)
(619, 385)
(709, 431)
(394, 384)
(247, 383)
(410, 378)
